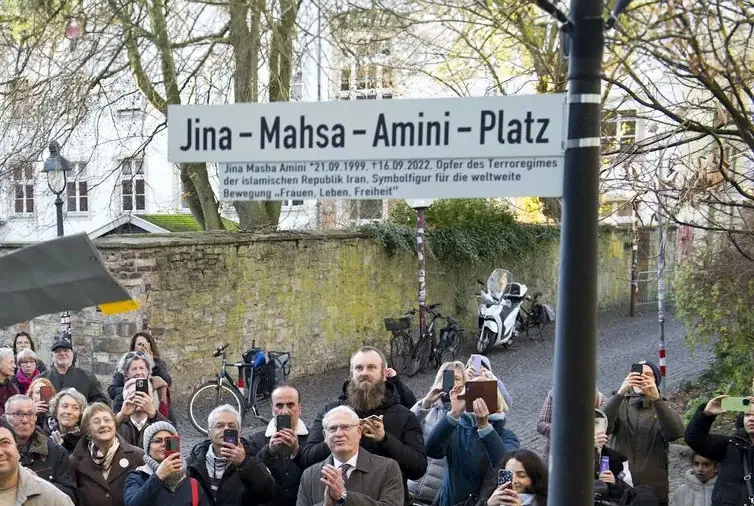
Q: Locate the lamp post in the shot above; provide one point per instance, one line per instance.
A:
(56, 168)
(420, 205)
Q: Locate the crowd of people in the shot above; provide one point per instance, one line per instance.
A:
(64, 441)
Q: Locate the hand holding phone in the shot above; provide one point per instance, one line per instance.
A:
(45, 393)
(504, 477)
(142, 386)
(283, 422)
(172, 445)
(230, 436)
(448, 380)
(637, 368)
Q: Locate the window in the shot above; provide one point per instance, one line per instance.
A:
(132, 185)
(366, 74)
(23, 188)
(293, 203)
(618, 130)
(345, 79)
(77, 191)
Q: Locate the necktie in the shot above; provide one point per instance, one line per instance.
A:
(344, 468)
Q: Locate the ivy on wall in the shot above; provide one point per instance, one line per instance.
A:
(462, 231)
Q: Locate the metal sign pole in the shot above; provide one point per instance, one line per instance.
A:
(572, 451)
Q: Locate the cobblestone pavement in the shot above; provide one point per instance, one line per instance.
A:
(526, 369)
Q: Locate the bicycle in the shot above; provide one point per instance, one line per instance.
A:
(411, 358)
(536, 317)
(261, 371)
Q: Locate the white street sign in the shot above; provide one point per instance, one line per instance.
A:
(365, 149)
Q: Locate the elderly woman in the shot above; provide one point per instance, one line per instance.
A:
(23, 341)
(102, 459)
(162, 480)
(26, 360)
(138, 412)
(42, 405)
(142, 342)
(139, 365)
(63, 426)
(429, 410)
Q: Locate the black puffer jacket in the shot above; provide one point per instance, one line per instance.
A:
(248, 484)
(730, 451)
(404, 441)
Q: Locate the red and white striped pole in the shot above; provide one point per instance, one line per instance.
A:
(662, 359)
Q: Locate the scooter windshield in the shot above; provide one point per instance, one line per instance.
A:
(498, 281)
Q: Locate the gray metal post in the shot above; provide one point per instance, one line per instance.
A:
(572, 450)
(59, 213)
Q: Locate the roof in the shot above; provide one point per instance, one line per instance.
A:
(159, 224)
(182, 222)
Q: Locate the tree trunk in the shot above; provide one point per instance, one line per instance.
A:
(191, 196)
(205, 195)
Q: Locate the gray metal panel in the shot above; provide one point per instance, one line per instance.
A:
(66, 273)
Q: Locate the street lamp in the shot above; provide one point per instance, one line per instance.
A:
(56, 167)
(420, 205)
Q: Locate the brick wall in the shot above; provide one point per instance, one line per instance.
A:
(319, 296)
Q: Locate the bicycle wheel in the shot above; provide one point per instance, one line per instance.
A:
(262, 403)
(420, 356)
(400, 352)
(206, 398)
(450, 344)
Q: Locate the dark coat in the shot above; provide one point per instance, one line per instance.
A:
(160, 369)
(642, 431)
(50, 462)
(730, 451)
(93, 489)
(404, 440)
(405, 395)
(7, 390)
(146, 489)
(132, 435)
(248, 484)
(83, 381)
(287, 471)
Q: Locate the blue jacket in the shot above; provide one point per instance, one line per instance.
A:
(144, 489)
(469, 452)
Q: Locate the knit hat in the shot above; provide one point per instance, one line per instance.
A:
(655, 370)
(153, 429)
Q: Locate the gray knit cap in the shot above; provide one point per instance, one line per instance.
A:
(153, 429)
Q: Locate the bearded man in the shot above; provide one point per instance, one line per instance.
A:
(388, 428)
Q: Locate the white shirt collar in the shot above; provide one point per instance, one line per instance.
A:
(272, 428)
(352, 462)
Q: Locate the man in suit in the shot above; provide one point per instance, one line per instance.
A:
(350, 476)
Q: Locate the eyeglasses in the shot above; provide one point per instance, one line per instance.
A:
(22, 415)
(345, 427)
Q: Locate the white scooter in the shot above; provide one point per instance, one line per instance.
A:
(500, 316)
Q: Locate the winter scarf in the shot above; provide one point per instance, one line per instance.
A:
(104, 461)
(23, 381)
(215, 468)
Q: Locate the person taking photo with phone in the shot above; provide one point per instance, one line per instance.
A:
(519, 480)
(225, 465)
(472, 436)
(429, 410)
(643, 427)
(162, 480)
(279, 447)
(735, 453)
(138, 412)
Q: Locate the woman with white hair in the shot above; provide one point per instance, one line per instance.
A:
(139, 365)
(64, 422)
(225, 465)
(7, 369)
